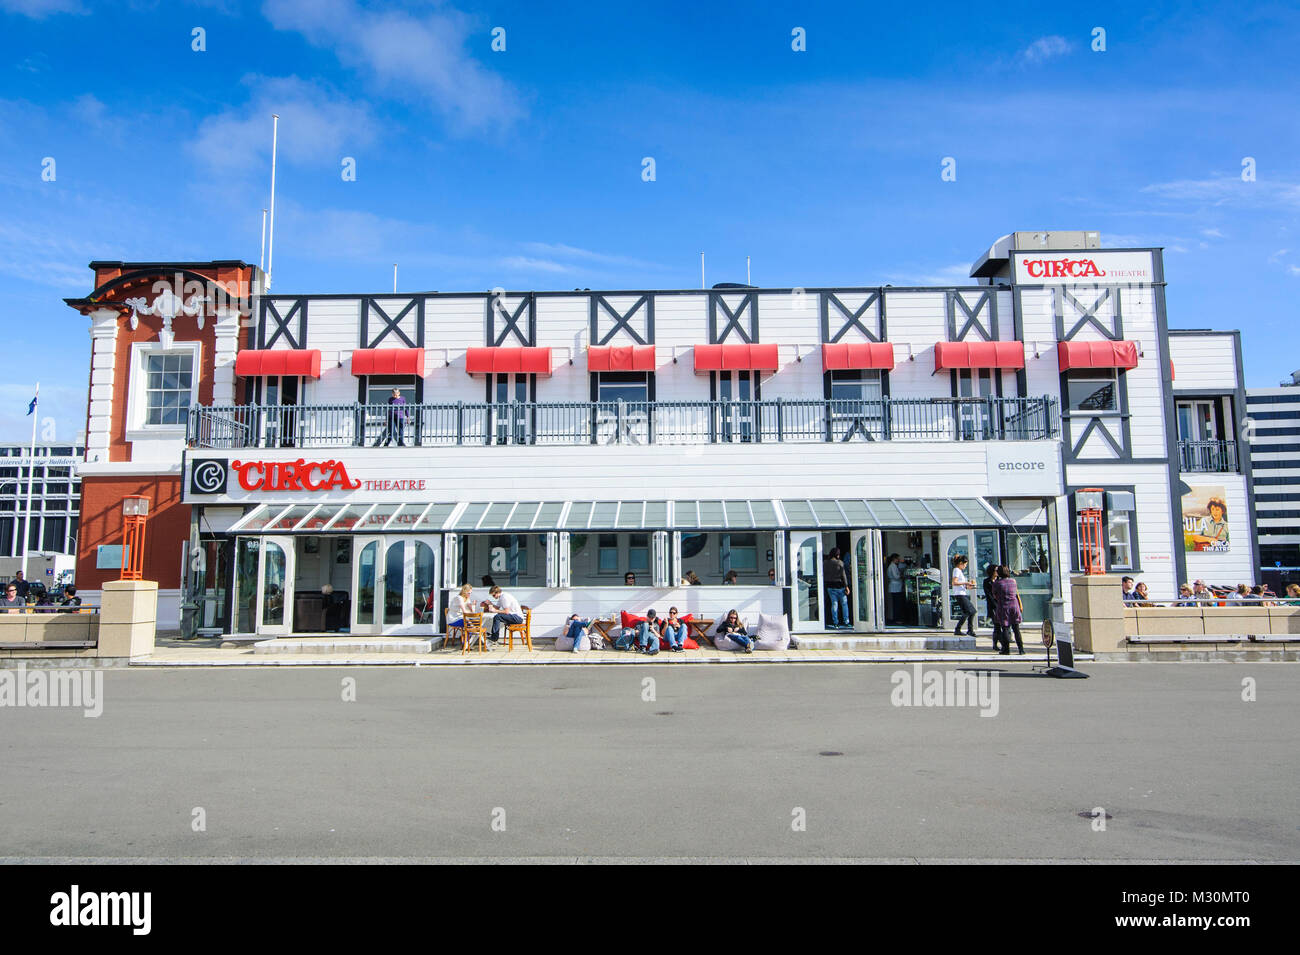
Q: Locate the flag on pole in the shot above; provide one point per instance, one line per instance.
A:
(31, 408)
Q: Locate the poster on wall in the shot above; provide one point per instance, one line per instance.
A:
(1205, 519)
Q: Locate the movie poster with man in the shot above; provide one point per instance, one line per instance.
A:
(1205, 519)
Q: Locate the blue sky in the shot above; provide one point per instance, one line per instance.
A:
(523, 168)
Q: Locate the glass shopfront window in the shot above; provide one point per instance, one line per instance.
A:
(1028, 556)
(707, 558)
(504, 558)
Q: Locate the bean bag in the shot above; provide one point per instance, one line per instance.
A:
(564, 643)
(772, 632)
(723, 642)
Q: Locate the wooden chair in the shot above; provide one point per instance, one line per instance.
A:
(456, 632)
(525, 630)
(473, 628)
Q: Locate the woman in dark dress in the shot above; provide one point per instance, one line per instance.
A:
(1007, 614)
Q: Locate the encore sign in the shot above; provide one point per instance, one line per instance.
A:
(300, 475)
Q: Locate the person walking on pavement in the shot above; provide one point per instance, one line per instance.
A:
(960, 587)
(837, 588)
(1008, 610)
(991, 602)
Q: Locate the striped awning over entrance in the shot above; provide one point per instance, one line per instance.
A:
(533, 516)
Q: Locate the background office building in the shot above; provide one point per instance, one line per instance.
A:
(55, 498)
(1274, 415)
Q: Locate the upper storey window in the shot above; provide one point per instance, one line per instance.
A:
(1093, 391)
(168, 388)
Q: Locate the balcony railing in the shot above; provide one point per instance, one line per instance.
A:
(1207, 456)
(620, 422)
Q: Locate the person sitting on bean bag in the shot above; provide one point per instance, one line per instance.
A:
(731, 634)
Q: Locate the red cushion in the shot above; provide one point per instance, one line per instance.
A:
(630, 620)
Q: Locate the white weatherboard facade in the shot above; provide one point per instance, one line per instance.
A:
(759, 469)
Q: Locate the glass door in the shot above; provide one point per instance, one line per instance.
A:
(735, 394)
(952, 543)
(275, 586)
(865, 583)
(366, 583)
(395, 580)
(807, 547)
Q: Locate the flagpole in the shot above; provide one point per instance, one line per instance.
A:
(31, 479)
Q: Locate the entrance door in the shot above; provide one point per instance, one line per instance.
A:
(952, 543)
(735, 394)
(275, 586)
(807, 549)
(395, 580)
(864, 571)
(981, 548)
(367, 560)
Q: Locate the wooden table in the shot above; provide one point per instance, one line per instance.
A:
(701, 628)
(603, 627)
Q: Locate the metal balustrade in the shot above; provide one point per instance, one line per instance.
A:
(628, 422)
(1214, 456)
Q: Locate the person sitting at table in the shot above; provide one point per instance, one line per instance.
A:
(629, 579)
(1185, 596)
(733, 629)
(507, 610)
(674, 629)
(461, 604)
(647, 634)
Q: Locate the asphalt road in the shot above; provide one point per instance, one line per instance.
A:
(455, 762)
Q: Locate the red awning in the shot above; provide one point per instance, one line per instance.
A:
(508, 361)
(388, 361)
(1097, 355)
(621, 358)
(979, 355)
(736, 358)
(279, 361)
(858, 355)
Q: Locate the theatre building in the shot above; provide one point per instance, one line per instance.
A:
(558, 441)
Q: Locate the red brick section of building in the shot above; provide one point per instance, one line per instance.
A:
(224, 283)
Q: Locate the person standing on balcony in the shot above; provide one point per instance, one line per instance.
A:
(396, 420)
(837, 589)
(960, 587)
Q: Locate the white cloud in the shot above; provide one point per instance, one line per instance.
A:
(1046, 48)
(421, 57)
(1213, 234)
(40, 9)
(528, 264)
(316, 125)
(1227, 190)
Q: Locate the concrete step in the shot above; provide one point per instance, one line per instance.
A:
(833, 640)
(321, 646)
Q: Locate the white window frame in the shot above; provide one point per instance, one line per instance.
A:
(137, 404)
(1091, 374)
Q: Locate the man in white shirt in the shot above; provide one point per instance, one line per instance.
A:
(508, 611)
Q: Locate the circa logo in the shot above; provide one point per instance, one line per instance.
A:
(208, 476)
(300, 475)
(1063, 268)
